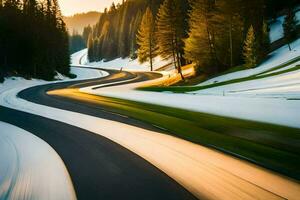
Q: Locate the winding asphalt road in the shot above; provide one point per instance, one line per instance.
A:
(99, 168)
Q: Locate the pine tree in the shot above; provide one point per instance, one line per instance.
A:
(265, 39)
(28, 27)
(254, 11)
(200, 44)
(76, 42)
(146, 40)
(86, 33)
(90, 45)
(290, 27)
(132, 51)
(250, 49)
(132, 34)
(170, 32)
(117, 29)
(96, 46)
(30, 7)
(123, 29)
(228, 26)
(196, 34)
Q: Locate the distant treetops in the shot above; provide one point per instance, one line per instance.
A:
(33, 39)
(215, 35)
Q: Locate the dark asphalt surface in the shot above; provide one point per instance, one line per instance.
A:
(99, 168)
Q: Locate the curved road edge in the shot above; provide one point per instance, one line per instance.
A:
(30, 168)
(95, 176)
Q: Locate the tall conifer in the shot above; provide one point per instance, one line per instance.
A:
(146, 39)
(33, 38)
(250, 49)
(290, 27)
(170, 32)
(86, 33)
(200, 45)
(90, 45)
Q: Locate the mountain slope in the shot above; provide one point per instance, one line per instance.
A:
(79, 21)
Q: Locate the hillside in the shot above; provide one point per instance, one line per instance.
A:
(79, 21)
(122, 29)
(276, 28)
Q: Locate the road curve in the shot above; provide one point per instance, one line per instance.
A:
(99, 168)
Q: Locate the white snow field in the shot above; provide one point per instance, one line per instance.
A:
(30, 168)
(276, 111)
(80, 58)
(285, 86)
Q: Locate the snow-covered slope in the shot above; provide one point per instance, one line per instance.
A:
(119, 63)
(276, 58)
(128, 64)
(78, 58)
(257, 109)
(234, 100)
(283, 85)
(276, 29)
(30, 168)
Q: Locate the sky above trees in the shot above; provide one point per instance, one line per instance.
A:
(70, 7)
